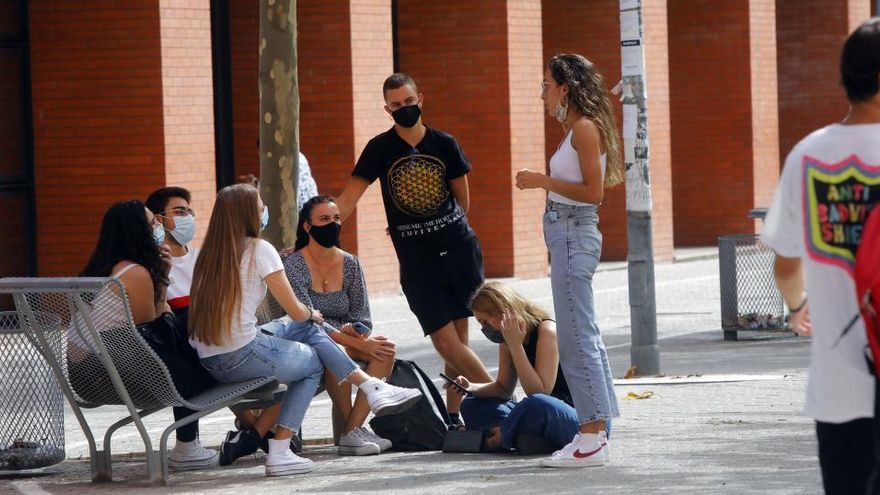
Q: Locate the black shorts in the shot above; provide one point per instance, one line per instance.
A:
(438, 285)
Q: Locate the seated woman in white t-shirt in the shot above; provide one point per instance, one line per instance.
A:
(232, 273)
(330, 280)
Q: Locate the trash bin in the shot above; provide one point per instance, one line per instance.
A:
(31, 402)
(750, 299)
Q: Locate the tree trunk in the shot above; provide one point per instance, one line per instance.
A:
(279, 119)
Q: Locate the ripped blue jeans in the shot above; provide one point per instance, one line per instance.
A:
(575, 244)
(291, 362)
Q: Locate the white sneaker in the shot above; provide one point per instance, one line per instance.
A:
(383, 443)
(387, 399)
(188, 456)
(586, 449)
(354, 443)
(287, 463)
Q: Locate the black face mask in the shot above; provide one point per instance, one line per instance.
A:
(492, 334)
(326, 235)
(407, 116)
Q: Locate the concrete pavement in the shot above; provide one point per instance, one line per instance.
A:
(726, 419)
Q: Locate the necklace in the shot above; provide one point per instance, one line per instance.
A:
(322, 271)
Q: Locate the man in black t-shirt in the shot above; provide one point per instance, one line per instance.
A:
(422, 172)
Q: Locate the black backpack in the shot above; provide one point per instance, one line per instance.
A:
(425, 425)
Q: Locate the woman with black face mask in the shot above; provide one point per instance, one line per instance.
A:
(330, 280)
(528, 354)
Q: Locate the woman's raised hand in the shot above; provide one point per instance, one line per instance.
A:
(514, 332)
(526, 179)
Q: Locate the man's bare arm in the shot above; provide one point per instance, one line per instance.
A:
(354, 189)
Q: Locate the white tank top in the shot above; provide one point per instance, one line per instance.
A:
(565, 166)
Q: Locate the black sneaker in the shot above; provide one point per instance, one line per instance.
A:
(238, 444)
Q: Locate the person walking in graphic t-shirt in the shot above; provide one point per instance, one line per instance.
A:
(829, 185)
(423, 174)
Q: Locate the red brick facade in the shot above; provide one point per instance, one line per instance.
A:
(809, 34)
(127, 106)
(722, 76)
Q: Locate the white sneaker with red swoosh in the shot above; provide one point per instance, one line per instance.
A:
(586, 449)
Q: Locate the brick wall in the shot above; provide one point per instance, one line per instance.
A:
(525, 68)
(188, 103)
(244, 40)
(809, 37)
(713, 48)
(98, 119)
(593, 30)
(122, 105)
(371, 62)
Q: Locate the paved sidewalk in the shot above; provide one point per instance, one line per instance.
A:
(725, 420)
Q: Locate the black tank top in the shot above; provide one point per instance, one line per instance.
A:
(560, 388)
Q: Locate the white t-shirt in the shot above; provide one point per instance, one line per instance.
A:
(566, 166)
(181, 276)
(830, 180)
(258, 260)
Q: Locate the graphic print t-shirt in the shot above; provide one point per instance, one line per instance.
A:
(830, 182)
(422, 213)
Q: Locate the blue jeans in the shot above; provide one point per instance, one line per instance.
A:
(293, 363)
(575, 243)
(308, 332)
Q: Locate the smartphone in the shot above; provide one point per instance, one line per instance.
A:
(450, 381)
(361, 328)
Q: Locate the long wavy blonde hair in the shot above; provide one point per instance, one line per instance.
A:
(215, 297)
(494, 298)
(587, 94)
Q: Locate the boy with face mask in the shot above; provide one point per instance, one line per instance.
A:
(171, 205)
(423, 175)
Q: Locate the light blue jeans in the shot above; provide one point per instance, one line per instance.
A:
(293, 363)
(308, 332)
(575, 243)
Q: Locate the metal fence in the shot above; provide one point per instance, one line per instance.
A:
(31, 402)
(750, 299)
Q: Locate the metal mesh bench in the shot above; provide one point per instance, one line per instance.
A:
(83, 328)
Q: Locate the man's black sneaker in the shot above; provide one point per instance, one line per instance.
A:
(239, 444)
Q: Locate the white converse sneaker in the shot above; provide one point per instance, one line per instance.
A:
(586, 449)
(383, 443)
(284, 462)
(389, 399)
(187, 456)
(354, 443)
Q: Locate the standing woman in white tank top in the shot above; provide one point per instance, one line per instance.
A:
(586, 161)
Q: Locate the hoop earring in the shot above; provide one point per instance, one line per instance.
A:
(561, 110)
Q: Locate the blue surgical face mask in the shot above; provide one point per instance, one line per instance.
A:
(159, 234)
(184, 229)
(264, 220)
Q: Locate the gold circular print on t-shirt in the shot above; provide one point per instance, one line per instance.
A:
(418, 184)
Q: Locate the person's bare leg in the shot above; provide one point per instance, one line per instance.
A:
(453, 400)
(267, 420)
(458, 355)
(246, 418)
(379, 368)
(340, 395)
(593, 426)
